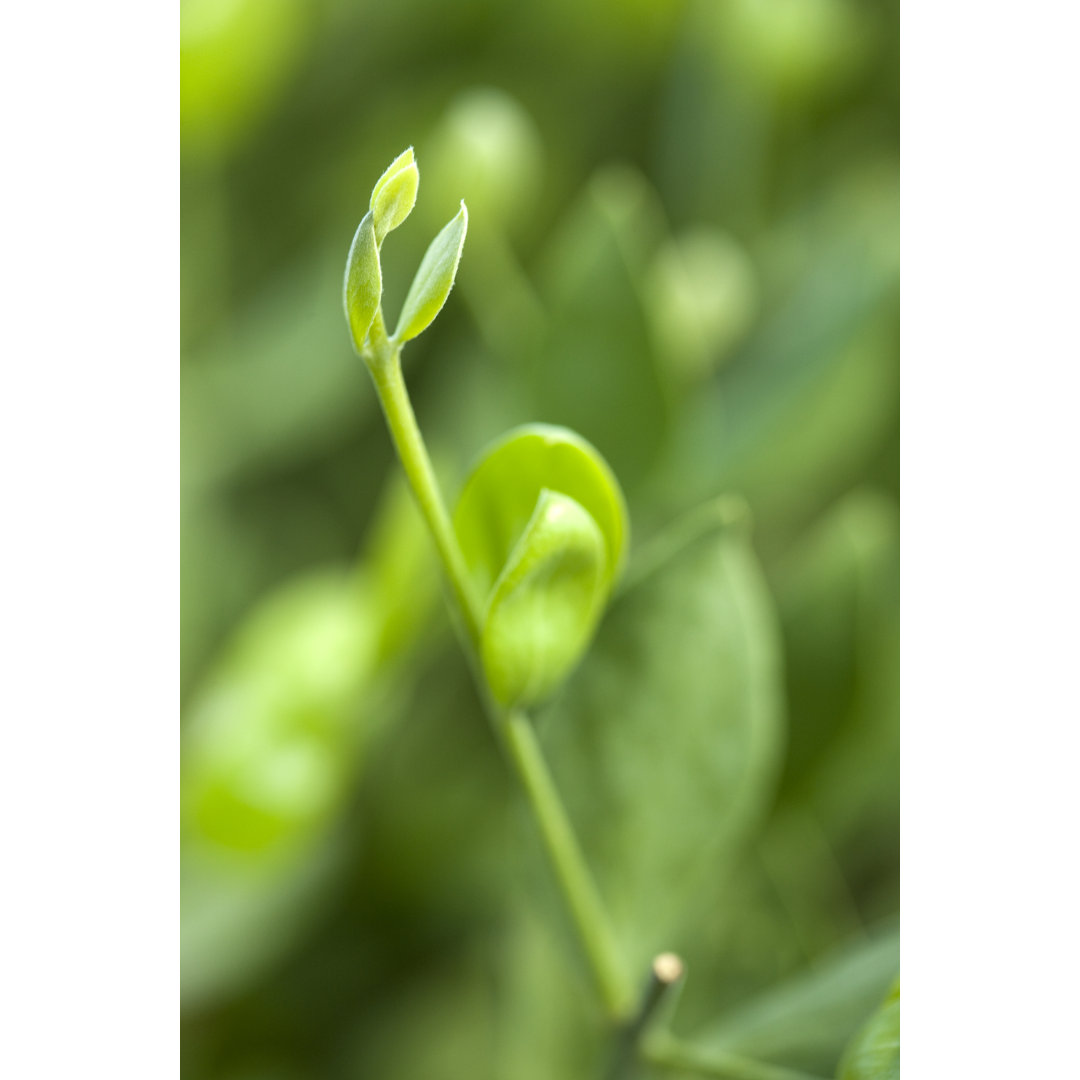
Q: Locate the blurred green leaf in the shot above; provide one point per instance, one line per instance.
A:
(595, 370)
(807, 1021)
(813, 392)
(702, 295)
(236, 57)
(237, 919)
(434, 279)
(402, 572)
(665, 743)
(874, 1054)
(486, 149)
(839, 602)
(273, 733)
(794, 49)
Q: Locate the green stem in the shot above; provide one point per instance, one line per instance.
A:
(409, 444)
(513, 730)
(568, 862)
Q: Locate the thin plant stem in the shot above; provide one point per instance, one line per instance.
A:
(513, 729)
(566, 858)
(412, 452)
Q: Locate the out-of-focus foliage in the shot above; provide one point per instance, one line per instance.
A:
(874, 1053)
(682, 244)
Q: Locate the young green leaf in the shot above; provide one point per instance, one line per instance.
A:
(394, 196)
(363, 282)
(500, 496)
(542, 525)
(874, 1054)
(433, 280)
(402, 161)
(544, 607)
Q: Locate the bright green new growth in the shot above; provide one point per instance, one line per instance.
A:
(545, 605)
(500, 494)
(394, 195)
(363, 282)
(433, 280)
(392, 200)
(543, 528)
(540, 532)
(544, 523)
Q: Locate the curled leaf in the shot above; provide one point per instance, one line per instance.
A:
(434, 279)
(544, 607)
(363, 282)
(394, 195)
(498, 499)
(543, 528)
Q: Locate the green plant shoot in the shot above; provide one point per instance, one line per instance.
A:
(537, 541)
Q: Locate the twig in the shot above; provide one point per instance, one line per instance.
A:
(666, 972)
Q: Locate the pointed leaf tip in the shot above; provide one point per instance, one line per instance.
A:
(434, 279)
(394, 195)
(402, 161)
